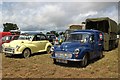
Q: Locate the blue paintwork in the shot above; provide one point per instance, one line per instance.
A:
(93, 48)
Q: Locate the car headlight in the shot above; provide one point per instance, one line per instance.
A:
(52, 49)
(76, 51)
(3, 46)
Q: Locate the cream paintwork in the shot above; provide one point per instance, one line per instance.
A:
(34, 46)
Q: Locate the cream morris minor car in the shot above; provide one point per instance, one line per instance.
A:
(27, 45)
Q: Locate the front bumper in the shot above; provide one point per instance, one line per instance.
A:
(11, 51)
(67, 59)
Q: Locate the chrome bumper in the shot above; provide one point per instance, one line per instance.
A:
(11, 52)
(68, 59)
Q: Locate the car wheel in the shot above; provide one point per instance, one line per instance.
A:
(26, 53)
(85, 61)
(101, 54)
(48, 49)
(54, 61)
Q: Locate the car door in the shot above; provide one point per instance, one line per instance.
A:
(43, 40)
(99, 43)
(37, 43)
(93, 48)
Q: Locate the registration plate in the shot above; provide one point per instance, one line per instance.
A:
(61, 60)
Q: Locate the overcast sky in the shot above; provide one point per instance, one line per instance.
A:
(47, 16)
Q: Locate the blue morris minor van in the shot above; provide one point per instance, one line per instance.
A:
(81, 46)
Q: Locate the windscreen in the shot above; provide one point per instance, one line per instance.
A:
(78, 37)
(25, 37)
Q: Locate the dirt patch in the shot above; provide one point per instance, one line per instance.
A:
(41, 66)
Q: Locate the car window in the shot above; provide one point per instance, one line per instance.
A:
(7, 37)
(3, 39)
(16, 37)
(43, 37)
(39, 37)
(92, 38)
(52, 36)
(48, 36)
(25, 37)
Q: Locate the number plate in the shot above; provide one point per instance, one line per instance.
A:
(61, 61)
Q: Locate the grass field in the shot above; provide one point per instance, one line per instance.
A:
(41, 66)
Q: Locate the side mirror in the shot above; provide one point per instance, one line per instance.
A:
(91, 40)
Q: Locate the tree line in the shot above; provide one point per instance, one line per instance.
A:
(9, 26)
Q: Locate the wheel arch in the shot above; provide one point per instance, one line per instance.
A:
(48, 45)
(27, 48)
(86, 53)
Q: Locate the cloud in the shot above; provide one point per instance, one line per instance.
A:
(60, 0)
(50, 14)
(46, 16)
(81, 17)
(1, 16)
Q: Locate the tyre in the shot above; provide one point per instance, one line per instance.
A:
(54, 61)
(101, 54)
(85, 61)
(48, 49)
(26, 53)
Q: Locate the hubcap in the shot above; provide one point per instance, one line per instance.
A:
(26, 53)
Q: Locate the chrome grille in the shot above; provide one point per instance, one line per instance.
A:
(63, 55)
(9, 49)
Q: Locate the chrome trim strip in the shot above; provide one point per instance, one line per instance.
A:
(10, 52)
(68, 59)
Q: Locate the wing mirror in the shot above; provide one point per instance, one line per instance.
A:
(91, 40)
